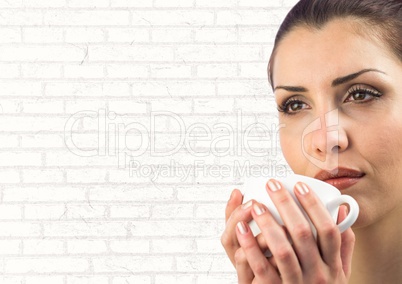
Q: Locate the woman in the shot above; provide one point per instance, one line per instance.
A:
(336, 64)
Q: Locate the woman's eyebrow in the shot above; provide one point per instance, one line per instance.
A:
(344, 79)
(291, 88)
(336, 82)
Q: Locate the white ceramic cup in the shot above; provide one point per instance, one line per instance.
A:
(255, 188)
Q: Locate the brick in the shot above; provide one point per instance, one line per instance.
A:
(173, 89)
(217, 279)
(38, 70)
(86, 176)
(130, 53)
(172, 211)
(19, 229)
(86, 246)
(213, 106)
(84, 35)
(45, 193)
(289, 3)
(208, 211)
(42, 141)
(254, 70)
(222, 3)
(127, 71)
(44, 3)
(8, 70)
(133, 264)
(129, 211)
(203, 53)
(174, 228)
(210, 246)
(10, 247)
(172, 105)
(91, 89)
(86, 211)
(130, 246)
(44, 279)
(70, 159)
(146, 193)
(20, 17)
(140, 279)
(249, 88)
(8, 141)
(250, 17)
(259, 3)
(43, 35)
(12, 279)
(22, 88)
(11, 4)
(10, 212)
(10, 159)
(172, 35)
(86, 17)
(11, 106)
(43, 246)
(42, 106)
(127, 35)
(216, 35)
(81, 104)
(255, 105)
(10, 35)
(122, 107)
(44, 211)
(83, 71)
(170, 71)
(177, 279)
(204, 263)
(129, 3)
(223, 70)
(36, 53)
(176, 17)
(202, 193)
(88, 3)
(85, 229)
(262, 35)
(173, 4)
(87, 279)
(176, 245)
(46, 265)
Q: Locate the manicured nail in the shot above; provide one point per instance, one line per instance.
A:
(231, 195)
(242, 228)
(258, 209)
(302, 188)
(273, 185)
(247, 205)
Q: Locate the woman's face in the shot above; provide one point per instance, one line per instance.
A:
(339, 96)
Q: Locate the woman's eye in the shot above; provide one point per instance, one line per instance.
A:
(292, 106)
(362, 95)
(295, 106)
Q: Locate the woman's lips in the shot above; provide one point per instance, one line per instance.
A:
(341, 178)
(342, 183)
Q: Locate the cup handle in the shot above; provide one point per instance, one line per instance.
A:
(353, 210)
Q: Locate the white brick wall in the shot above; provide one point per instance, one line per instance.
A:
(83, 86)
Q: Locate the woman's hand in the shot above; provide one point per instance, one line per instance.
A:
(234, 213)
(325, 260)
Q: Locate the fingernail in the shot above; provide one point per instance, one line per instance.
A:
(231, 195)
(258, 209)
(242, 228)
(302, 188)
(273, 185)
(247, 205)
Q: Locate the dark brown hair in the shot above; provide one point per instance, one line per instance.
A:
(379, 18)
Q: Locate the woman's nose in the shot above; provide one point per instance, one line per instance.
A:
(323, 139)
